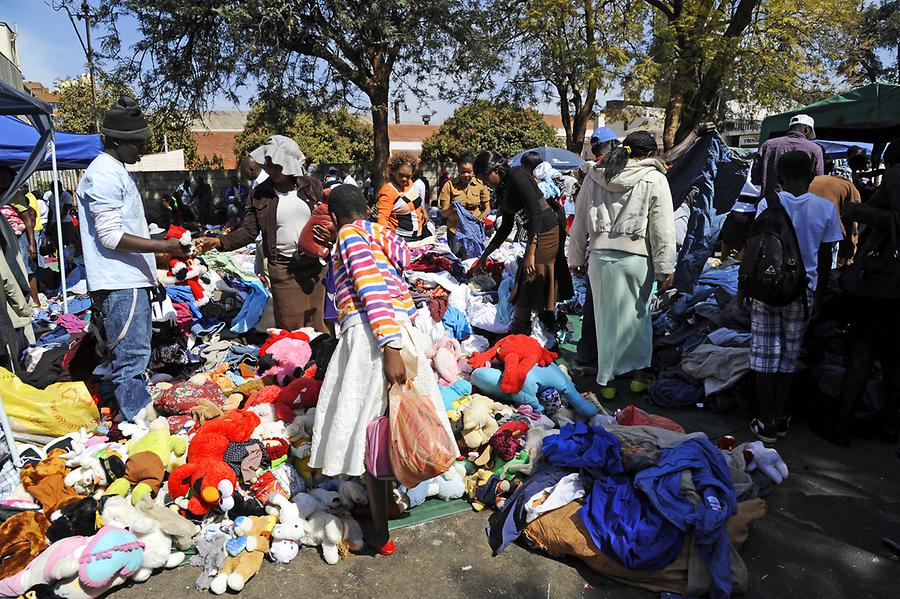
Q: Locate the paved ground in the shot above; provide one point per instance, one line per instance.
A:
(821, 538)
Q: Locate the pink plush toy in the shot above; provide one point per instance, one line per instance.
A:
(284, 359)
(444, 356)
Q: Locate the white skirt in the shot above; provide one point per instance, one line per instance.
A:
(354, 393)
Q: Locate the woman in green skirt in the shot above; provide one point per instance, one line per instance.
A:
(624, 235)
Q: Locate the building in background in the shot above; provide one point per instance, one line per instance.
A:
(41, 92)
(10, 68)
(215, 132)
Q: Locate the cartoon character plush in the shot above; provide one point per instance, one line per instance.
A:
(148, 460)
(237, 570)
(284, 355)
(186, 271)
(206, 480)
(490, 382)
(519, 354)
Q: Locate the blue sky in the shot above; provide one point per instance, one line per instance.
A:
(49, 50)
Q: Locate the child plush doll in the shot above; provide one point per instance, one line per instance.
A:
(186, 271)
(375, 311)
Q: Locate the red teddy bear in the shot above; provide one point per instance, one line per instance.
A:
(519, 354)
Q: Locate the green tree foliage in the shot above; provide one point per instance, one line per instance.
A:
(874, 44)
(760, 53)
(489, 125)
(336, 136)
(355, 52)
(572, 49)
(76, 115)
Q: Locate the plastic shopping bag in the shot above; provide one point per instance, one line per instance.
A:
(59, 409)
(421, 448)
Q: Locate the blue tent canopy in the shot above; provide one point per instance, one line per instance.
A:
(838, 149)
(18, 139)
(559, 158)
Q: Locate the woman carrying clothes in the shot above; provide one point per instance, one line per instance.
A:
(400, 206)
(624, 218)
(469, 191)
(279, 208)
(517, 193)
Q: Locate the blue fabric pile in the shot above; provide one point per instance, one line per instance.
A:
(640, 520)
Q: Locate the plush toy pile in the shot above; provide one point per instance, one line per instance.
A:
(221, 470)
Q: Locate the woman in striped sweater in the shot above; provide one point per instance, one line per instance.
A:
(378, 347)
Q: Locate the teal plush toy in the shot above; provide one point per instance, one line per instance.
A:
(487, 380)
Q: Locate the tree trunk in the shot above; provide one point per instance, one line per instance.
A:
(674, 111)
(381, 140)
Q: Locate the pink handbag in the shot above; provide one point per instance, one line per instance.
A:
(378, 449)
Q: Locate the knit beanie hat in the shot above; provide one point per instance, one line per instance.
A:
(125, 121)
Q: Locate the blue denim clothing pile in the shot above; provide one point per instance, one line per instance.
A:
(469, 241)
(693, 321)
(710, 168)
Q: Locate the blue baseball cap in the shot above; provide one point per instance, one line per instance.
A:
(602, 135)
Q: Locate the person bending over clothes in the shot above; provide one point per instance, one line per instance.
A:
(776, 332)
(536, 287)
(378, 347)
(279, 208)
(624, 236)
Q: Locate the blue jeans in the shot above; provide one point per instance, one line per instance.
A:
(127, 319)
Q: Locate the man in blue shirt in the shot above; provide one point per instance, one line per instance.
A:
(118, 255)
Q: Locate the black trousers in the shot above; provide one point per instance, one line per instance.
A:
(874, 333)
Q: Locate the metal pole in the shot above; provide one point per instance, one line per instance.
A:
(59, 235)
(86, 10)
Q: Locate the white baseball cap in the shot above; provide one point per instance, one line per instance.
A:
(803, 119)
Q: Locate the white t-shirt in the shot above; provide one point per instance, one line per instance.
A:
(419, 184)
(293, 214)
(816, 222)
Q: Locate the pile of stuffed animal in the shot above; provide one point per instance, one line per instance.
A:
(225, 469)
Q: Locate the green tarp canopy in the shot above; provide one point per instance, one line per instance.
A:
(869, 114)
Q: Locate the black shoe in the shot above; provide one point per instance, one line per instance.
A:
(767, 433)
(782, 425)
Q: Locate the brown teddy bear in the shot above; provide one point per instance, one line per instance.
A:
(238, 570)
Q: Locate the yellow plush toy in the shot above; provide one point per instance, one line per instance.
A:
(148, 458)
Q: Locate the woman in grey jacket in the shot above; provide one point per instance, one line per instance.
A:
(624, 234)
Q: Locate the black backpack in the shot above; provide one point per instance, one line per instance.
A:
(772, 269)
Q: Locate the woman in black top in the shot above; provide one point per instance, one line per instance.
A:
(517, 193)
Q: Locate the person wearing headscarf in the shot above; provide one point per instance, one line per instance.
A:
(118, 255)
(279, 208)
(624, 235)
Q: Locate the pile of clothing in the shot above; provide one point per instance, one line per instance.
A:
(642, 502)
(701, 344)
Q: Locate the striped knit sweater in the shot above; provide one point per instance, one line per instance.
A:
(367, 263)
